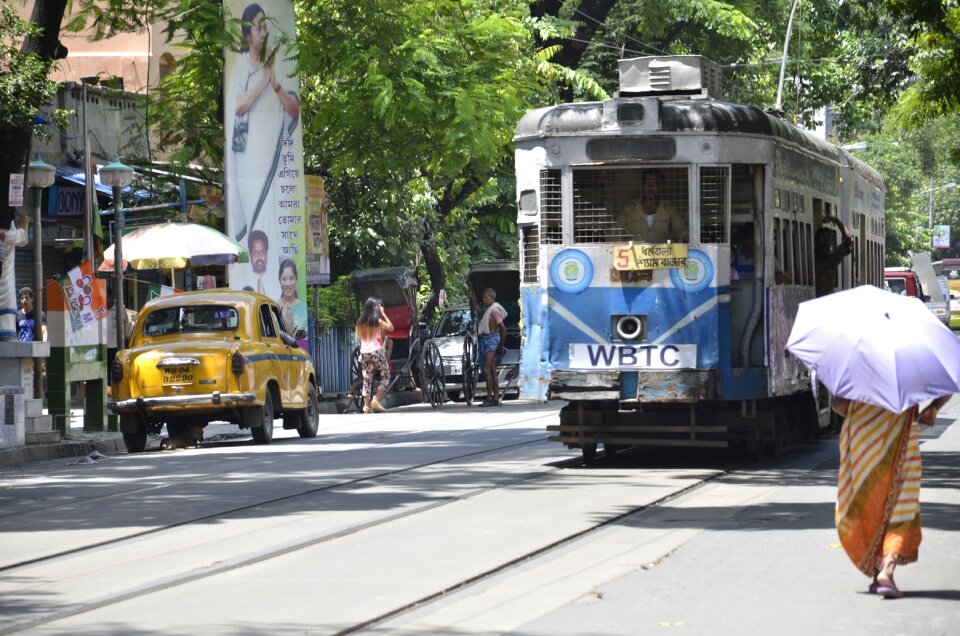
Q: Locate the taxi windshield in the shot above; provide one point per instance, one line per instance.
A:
(190, 319)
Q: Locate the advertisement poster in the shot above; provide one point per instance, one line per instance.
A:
(265, 191)
(318, 254)
(941, 237)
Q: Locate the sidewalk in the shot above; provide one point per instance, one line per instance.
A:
(77, 443)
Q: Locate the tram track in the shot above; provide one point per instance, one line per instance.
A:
(243, 561)
(22, 568)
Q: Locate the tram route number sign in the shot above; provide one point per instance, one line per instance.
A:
(644, 256)
(633, 357)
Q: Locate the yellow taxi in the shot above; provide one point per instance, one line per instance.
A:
(212, 355)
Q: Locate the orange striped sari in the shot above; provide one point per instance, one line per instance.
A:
(878, 500)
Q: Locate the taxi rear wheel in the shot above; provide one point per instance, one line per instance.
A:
(309, 417)
(136, 441)
(263, 434)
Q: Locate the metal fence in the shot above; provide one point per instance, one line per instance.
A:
(332, 351)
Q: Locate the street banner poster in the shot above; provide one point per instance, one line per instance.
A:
(941, 237)
(155, 290)
(318, 253)
(265, 187)
(15, 192)
(84, 302)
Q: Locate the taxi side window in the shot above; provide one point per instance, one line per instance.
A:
(268, 328)
(279, 319)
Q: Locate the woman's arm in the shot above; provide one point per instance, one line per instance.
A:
(840, 405)
(928, 416)
(385, 323)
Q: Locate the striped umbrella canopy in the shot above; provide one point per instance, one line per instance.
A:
(176, 246)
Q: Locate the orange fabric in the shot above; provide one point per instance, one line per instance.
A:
(878, 495)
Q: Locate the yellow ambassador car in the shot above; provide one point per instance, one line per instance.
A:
(213, 355)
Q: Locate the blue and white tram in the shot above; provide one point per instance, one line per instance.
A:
(678, 339)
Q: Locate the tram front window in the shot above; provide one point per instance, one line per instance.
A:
(653, 217)
(616, 205)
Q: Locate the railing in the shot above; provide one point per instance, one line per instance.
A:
(332, 352)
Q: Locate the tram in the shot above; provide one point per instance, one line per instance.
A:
(666, 239)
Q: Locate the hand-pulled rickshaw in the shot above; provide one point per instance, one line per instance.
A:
(504, 278)
(416, 369)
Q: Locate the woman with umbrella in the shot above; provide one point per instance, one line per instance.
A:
(882, 355)
(878, 498)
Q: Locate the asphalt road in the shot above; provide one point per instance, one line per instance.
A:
(457, 521)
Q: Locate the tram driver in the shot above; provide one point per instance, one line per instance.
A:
(651, 218)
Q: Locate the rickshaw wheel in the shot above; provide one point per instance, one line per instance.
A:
(469, 368)
(431, 375)
(356, 379)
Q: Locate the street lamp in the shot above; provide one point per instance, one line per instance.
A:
(40, 175)
(947, 186)
(857, 145)
(118, 176)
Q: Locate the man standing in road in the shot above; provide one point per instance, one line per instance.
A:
(491, 335)
(258, 244)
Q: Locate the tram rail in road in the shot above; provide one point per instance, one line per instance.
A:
(375, 517)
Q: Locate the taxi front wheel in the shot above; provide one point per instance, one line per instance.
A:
(263, 434)
(309, 417)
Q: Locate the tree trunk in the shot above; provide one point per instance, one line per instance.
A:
(48, 14)
(438, 277)
(591, 14)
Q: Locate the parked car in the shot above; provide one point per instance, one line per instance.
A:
(452, 328)
(213, 355)
(906, 282)
(457, 321)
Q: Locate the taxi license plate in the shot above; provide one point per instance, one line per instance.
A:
(177, 375)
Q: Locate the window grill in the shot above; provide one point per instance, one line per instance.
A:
(607, 202)
(713, 204)
(530, 237)
(551, 208)
(594, 193)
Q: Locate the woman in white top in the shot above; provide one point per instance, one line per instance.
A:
(373, 359)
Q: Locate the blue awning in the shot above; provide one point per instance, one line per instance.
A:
(76, 175)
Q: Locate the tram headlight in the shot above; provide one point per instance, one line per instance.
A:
(629, 327)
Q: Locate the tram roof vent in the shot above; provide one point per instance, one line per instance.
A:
(682, 75)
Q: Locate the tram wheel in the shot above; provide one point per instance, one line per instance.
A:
(431, 375)
(469, 361)
(589, 452)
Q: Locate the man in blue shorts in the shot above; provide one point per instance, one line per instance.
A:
(491, 333)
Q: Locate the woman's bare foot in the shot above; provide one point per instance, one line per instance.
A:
(884, 580)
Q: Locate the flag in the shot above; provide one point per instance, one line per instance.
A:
(82, 295)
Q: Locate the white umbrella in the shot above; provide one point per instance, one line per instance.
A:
(176, 246)
(873, 346)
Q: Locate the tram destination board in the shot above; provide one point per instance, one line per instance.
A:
(645, 256)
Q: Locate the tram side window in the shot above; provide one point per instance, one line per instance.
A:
(797, 254)
(786, 261)
(551, 208)
(530, 236)
(713, 204)
(779, 271)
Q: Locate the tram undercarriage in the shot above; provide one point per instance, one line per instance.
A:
(760, 426)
